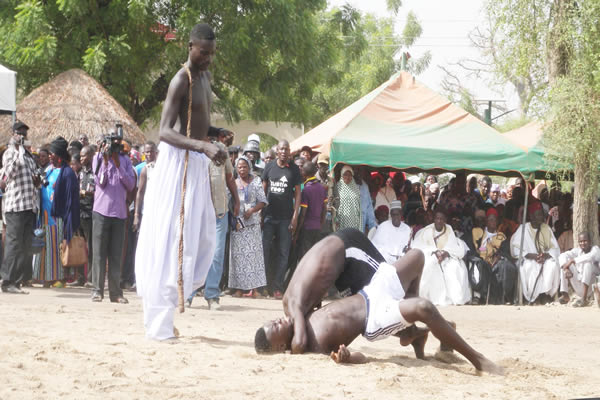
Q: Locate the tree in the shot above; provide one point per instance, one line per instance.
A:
(368, 57)
(271, 54)
(119, 43)
(279, 60)
(558, 42)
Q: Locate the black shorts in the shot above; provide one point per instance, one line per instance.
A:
(362, 261)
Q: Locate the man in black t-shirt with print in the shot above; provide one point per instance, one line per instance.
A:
(281, 181)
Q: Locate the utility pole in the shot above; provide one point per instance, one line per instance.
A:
(487, 113)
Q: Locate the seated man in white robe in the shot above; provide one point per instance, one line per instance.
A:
(539, 271)
(579, 266)
(392, 236)
(445, 279)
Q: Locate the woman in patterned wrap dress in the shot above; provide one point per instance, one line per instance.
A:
(247, 264)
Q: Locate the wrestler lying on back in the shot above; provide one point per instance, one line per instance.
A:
(378, 311)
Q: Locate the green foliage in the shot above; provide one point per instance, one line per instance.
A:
(267, 141)
(511, 124)
(280, 60)
(112, 40)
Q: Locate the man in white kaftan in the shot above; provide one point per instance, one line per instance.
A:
(539, 271)
(184, 127)
(445, 279)
(579, 266)
(392, 236)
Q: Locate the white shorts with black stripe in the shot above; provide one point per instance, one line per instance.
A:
(383, 295)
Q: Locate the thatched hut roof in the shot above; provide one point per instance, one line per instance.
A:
(71, 104)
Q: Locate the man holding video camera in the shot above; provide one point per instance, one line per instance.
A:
(114, 177)
(20, 181)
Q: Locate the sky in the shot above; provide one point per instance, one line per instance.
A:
(446, 25)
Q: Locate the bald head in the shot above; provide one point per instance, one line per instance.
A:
(283, 152)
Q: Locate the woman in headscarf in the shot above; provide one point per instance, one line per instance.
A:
(59, 213)
(346, 194)
(247, 263)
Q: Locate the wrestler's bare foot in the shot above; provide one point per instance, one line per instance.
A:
(419, 344)
(417, 337)
(488, 366)
(444, 347)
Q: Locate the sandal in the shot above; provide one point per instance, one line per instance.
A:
(249, 294)
(96, 297)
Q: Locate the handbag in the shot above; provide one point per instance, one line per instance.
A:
(74, 253)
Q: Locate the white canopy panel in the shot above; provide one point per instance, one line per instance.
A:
(8, 89)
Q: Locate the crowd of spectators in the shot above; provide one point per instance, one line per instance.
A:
(271, 207)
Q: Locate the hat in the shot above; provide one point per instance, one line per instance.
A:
(396, 204)
(495, 188)
(491, 211)
(254, 138)
(59, 147)
(533, 207)
(20, 125)
(323, 159)
(251, 146)
(346, 169)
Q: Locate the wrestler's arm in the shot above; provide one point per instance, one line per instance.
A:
(292, 309)
(345, 356)
(178, 89)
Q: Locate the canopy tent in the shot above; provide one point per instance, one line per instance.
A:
(529, 138)
(8, 89)
(405, 125)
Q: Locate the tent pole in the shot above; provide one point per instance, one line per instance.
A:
(519, 288)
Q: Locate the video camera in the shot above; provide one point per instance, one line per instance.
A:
(112, 141)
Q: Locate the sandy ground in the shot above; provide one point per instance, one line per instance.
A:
(56, 343)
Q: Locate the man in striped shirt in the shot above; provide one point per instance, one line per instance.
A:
(20, 181)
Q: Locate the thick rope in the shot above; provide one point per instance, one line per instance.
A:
(181, 300)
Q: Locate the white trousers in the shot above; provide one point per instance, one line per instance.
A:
(584, 272)
(156, 261)
(446, 284)
(546, 283)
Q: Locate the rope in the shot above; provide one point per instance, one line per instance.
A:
(181, 300)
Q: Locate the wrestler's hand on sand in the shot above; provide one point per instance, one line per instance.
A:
(298, 342)
(341, 356)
